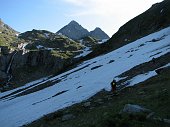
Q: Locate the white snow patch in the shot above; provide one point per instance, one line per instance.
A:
(140, 78)
(161, 10)
(33, 83)
(81, 41)
(46, 35)
(42, 47)
(39, 46)
(167, 65)
(103, 41)
(17, 35)
(60, 34)
(118, 79)
(85, 52)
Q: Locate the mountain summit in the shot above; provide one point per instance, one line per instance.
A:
(99, 34)
(74, 31)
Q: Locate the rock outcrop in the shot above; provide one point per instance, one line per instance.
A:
(32, 65)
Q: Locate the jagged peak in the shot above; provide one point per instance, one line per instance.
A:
(97, 28)
(99, 34)
(73, 22)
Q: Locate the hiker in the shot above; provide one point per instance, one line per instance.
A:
(113, 85)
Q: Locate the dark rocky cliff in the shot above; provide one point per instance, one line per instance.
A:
(32, 65)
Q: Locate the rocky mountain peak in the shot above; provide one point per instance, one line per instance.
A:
(74, 31)
(73, 22)
(97, 28)
(98, 33)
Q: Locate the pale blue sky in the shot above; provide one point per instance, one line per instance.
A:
(24, 15)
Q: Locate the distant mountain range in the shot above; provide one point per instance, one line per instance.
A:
(76, 32)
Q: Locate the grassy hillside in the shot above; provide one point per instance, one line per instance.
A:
(7, 34)
(89, 41)
(49, 40)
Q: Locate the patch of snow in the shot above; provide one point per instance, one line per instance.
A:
(86, 51)
(60, 34)
(46, 35)
(161, 10)
(42, 47)
(25, 44)
(25, 109)
(49, 48)
(33, 84)
(103, 41)
(140, 78)
(118, 79)
(81, 41)
(39, 46)
(167, 65)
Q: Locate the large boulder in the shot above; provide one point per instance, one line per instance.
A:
(134, 109)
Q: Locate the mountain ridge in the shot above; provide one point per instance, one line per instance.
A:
(76, 32)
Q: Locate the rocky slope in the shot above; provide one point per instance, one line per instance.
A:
(7, 34)
(89, 41)
(155, 18)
